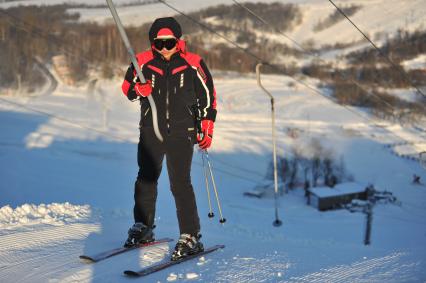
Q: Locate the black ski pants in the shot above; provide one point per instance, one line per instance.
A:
(178, 151)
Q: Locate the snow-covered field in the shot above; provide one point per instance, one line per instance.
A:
(68, 164)
(67, 189)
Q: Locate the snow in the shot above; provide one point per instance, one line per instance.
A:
(172, 277)
(416, 63)
(340, 189)
(67, 174)
(191, 276)
(376, 18)
(409, 94)
(81, 171)
(54, 214)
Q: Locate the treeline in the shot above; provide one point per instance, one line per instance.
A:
(42, 32)
(21, 42)
(336, 17)
(282, 17)
(96, 6)
(127, 4)
(312, 166)
(368, 75)
(403, 46)
(368, 89)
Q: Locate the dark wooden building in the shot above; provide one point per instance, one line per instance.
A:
(325, 198)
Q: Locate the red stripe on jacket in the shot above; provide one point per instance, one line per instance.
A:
(156, 69)
(179, 69)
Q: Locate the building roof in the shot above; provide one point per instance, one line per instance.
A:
(338, 190)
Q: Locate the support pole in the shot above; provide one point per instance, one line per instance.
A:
(369, 214)
(136, 66)
(369, 222)
(277, 222)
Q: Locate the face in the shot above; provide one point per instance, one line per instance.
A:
(166, 47)
(167, 53)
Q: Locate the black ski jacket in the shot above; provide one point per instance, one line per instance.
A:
(182, 89)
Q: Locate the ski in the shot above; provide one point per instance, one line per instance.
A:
(164, 265)
(117, 251)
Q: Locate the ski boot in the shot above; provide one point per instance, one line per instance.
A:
(187, 245)
(139, 233)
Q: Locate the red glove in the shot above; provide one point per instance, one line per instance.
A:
(143, 89)
(206, 137)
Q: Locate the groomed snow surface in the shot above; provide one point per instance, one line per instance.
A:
(68, 164)
(67, 190)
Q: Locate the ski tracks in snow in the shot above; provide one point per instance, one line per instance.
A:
(390, 268)
(41, 254)
(395, 267)
(270, 268)
(50, 253)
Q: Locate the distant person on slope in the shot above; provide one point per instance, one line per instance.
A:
(183, 91)
(416, 180)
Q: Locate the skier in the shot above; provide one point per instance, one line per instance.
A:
(416, 180)
(182, 88)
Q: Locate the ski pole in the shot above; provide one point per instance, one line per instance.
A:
(211, 214)
(135, 65)
(221, 220)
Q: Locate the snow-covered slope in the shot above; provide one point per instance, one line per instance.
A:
(85, 180)
(68, 163)
(378, 18)
(131, 15)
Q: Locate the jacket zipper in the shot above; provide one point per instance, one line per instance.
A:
(167, 100)
(167, 112)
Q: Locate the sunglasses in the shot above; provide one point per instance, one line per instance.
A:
(169, 43)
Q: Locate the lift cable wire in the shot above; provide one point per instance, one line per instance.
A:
(393, 64)
(315, 55)
(315, 90)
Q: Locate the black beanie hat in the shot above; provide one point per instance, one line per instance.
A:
(160, 23)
